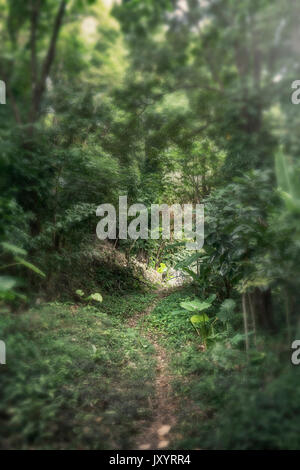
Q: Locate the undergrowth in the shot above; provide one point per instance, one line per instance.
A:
(75, 377)
(226, 400)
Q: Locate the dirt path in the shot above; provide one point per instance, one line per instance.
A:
(157, 433)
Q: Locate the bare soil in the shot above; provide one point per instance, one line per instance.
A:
(157, 433)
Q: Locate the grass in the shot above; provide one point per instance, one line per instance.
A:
(170, 321)
(75, 378)
(124, 306)
(78, 378)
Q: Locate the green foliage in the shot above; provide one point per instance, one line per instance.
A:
(95, 297)
(195, 305)
(201, 322)
(231, 402)
(241, 408)
(79, 292)
(171, 322)
(14, 250)
(8, 283)
(28, 265)
(72, 381)
(198, 319)
(287, 178)
(124, 306)
(165, 102)
(162, 268)
(226, 312)
(237, 236)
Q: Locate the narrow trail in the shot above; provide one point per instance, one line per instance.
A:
(157, 433)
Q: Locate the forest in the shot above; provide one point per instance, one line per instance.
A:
(141, 339)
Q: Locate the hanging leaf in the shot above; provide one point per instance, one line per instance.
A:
(13, 249)
(30, 266)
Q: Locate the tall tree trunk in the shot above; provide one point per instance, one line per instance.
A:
(253, 319)
(245, 317)
(262, 302)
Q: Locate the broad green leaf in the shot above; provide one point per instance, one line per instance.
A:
(198, 319)
(195, 306)
(79, 292)
(97, 297)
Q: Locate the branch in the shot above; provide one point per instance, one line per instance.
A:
(40, 88)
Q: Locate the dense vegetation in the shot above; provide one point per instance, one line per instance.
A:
(169, 101)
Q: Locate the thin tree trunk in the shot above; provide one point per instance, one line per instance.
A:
(252, 311)
(287, 316)
(198, 267)
(245, 322)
